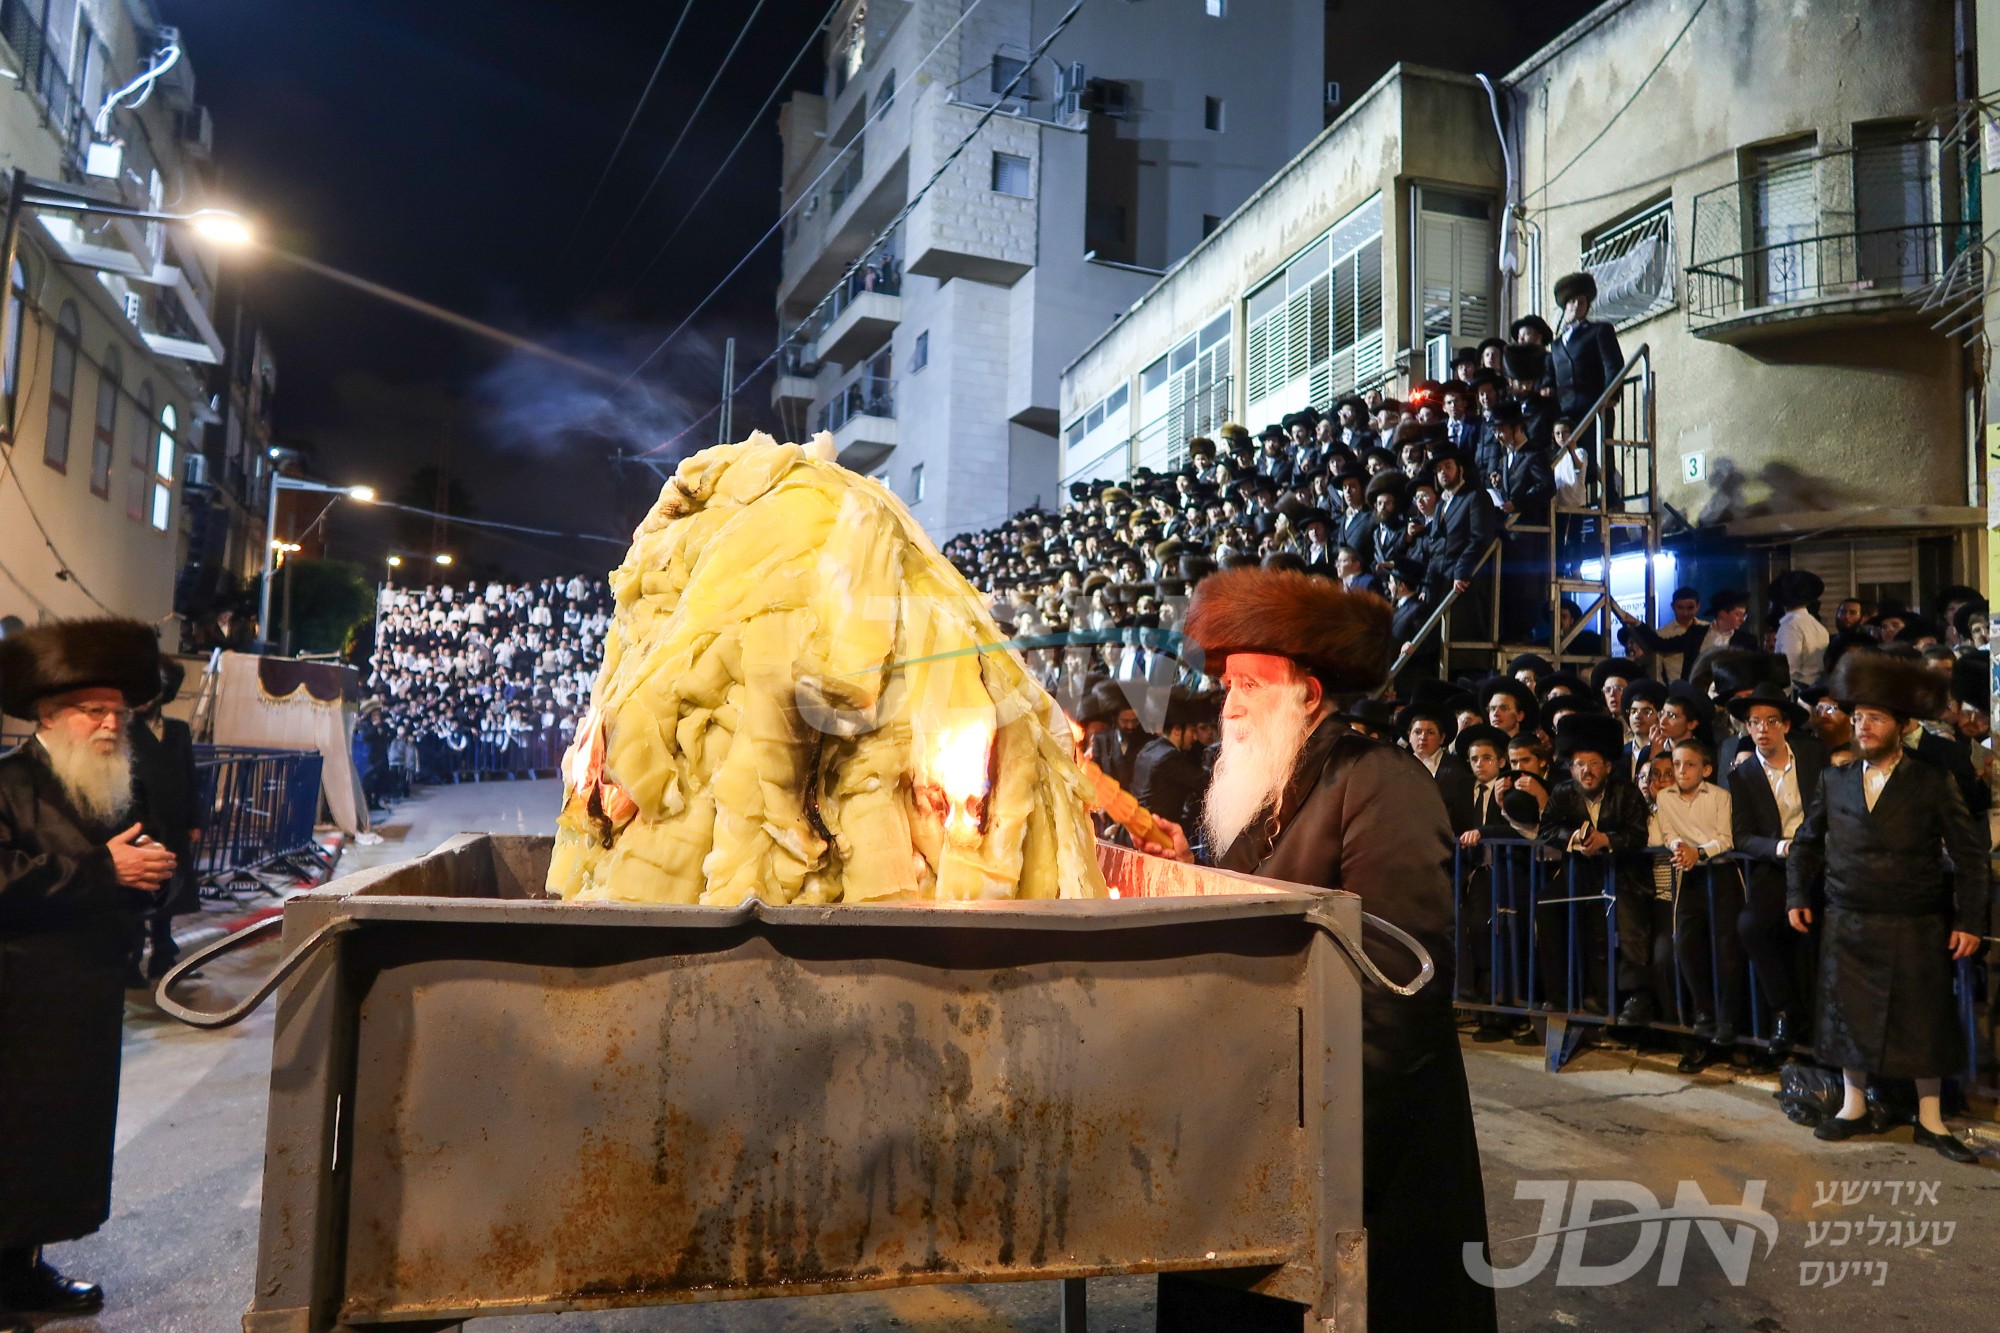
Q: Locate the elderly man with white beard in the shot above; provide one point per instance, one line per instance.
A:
(1298, 795)
(73, 866)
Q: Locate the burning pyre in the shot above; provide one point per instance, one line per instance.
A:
(802, 701)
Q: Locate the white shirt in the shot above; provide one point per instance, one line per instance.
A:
(1432, 762)
(1570, 488)
(1875, 775)
(1700, 821)
(1802, 642)
(1785, 791)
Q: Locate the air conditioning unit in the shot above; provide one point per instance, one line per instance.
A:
(1070, 82)
(196, 132)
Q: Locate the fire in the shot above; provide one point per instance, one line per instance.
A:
(958, 764)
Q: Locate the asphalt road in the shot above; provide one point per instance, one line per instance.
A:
(178, 1255)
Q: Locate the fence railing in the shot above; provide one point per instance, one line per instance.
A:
(257, 805)
(479, 757)
(1538, 937)
(868, 396)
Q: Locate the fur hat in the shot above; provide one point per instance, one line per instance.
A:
(65, 655)
(1525, 361)
(1232, 431)
(1572, 285)
(1386, 483)
(1340, 636)
(1593, 733)
(1202, 447)
(1905, 686)
(1972, 680)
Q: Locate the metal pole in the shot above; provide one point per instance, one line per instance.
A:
(270, 544)
(285, 640)
(724, 424)
(9, 248)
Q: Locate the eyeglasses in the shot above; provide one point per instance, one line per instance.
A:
(98, 713)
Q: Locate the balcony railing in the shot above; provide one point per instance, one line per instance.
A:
(867, 396)
(881, 273)
(1838, 227)
(42, 72)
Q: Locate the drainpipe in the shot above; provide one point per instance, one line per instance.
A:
(1510, 259)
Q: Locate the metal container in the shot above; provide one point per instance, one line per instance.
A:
(487, 1102)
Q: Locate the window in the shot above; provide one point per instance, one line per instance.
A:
(104, 439)
(1196, 399)
(1633, 262)
(1006, 69)
(920, 352)
(62, 387)
(16, 302)
(1456, 258)
(850, 49)
(1097, 442)
(1895, 205)
(139, 464)
(1211, 114)
(1216, 8)
(1010, 175)
(1209, 222)
(917, 484)
(885, 93)
(1314, 328)
(163, 467)
(1783, 207)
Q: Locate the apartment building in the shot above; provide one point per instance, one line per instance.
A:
(1771, 207)
(933, 352)
(109, 336)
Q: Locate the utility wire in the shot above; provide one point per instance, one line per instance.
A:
(756, 121)
(637, 107)
(499, 526)
(807, 193)
(1627, 105)
(686, 125)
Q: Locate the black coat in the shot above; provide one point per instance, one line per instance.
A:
(1169, 782)
(167, 787)
(1687, 643)
(1366, 817)
(1408, 618)
(1758, 827)
(1462, 533)
(1622, 818)
(1455, 784)
(1891, 899)
(1528, 483)
(1357, 529)
(65, 926)
(1584, 364)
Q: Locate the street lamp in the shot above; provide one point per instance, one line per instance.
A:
(442, 557)
(272, 546)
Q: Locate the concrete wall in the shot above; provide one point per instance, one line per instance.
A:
(1813, 418)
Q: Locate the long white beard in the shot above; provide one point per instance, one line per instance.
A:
(1258, 755)
(99, 785)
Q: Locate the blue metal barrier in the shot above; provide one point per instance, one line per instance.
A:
(259, 807)
(1502, 888)
(525, 753)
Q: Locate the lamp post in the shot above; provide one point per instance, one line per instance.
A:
(25, 192)
(281, 482)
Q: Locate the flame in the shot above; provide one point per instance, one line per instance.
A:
(957, 762)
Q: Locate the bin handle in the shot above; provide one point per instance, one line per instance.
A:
(1352, 947)
(242, 1009)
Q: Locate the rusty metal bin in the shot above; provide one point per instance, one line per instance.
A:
(484, 1102)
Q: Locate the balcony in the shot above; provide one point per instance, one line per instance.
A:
(1824, 241)
(795, 384)
(859, 314)
(862, 417)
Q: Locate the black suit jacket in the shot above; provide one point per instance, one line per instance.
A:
(1528, 482)
(1168, 781)
(1892, 859)
(1584, 363)
(1454, 782)
(1687, 644)
(1757, 826)
(1409, 617)
(1952, 758)
(1358, 530)
(1463, 532)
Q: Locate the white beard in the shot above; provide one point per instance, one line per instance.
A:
(98, 785)
(1259, 753)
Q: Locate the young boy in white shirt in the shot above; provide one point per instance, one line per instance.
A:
(1692, 821)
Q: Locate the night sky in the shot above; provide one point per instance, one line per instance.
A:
(446, 149)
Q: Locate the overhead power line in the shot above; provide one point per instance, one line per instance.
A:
(630, 121)
(686, 125)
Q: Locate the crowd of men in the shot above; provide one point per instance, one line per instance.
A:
(484, 678)
(1402, 497)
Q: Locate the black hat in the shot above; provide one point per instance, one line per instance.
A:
(1480, 731)
(1534, 662)
(1623, 668)
(1572, 285)
(1594, 733)
(1408, 569)
(1903, 685)
(1525, 361)
(1796, 587)
(64, 655)
(1507, 414)
(1972, 680)
(1534, 324)
(1645, 690)
(1569, 680)
(1734, 670)
(1432, 710)
(1684, 693)
(1770, 696)
(1446, 695)
(1375, 714)
(1274, 432)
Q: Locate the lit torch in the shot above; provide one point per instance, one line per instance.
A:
(1150, 833)
(953, 785)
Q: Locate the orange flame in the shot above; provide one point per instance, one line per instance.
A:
(956, 762)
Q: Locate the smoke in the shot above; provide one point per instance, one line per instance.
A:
(531, 405)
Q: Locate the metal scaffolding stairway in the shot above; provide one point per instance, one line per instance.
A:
(1620, 517)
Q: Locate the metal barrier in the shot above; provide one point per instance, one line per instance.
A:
(524, 754)
(259, 807)
(1537, 935)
